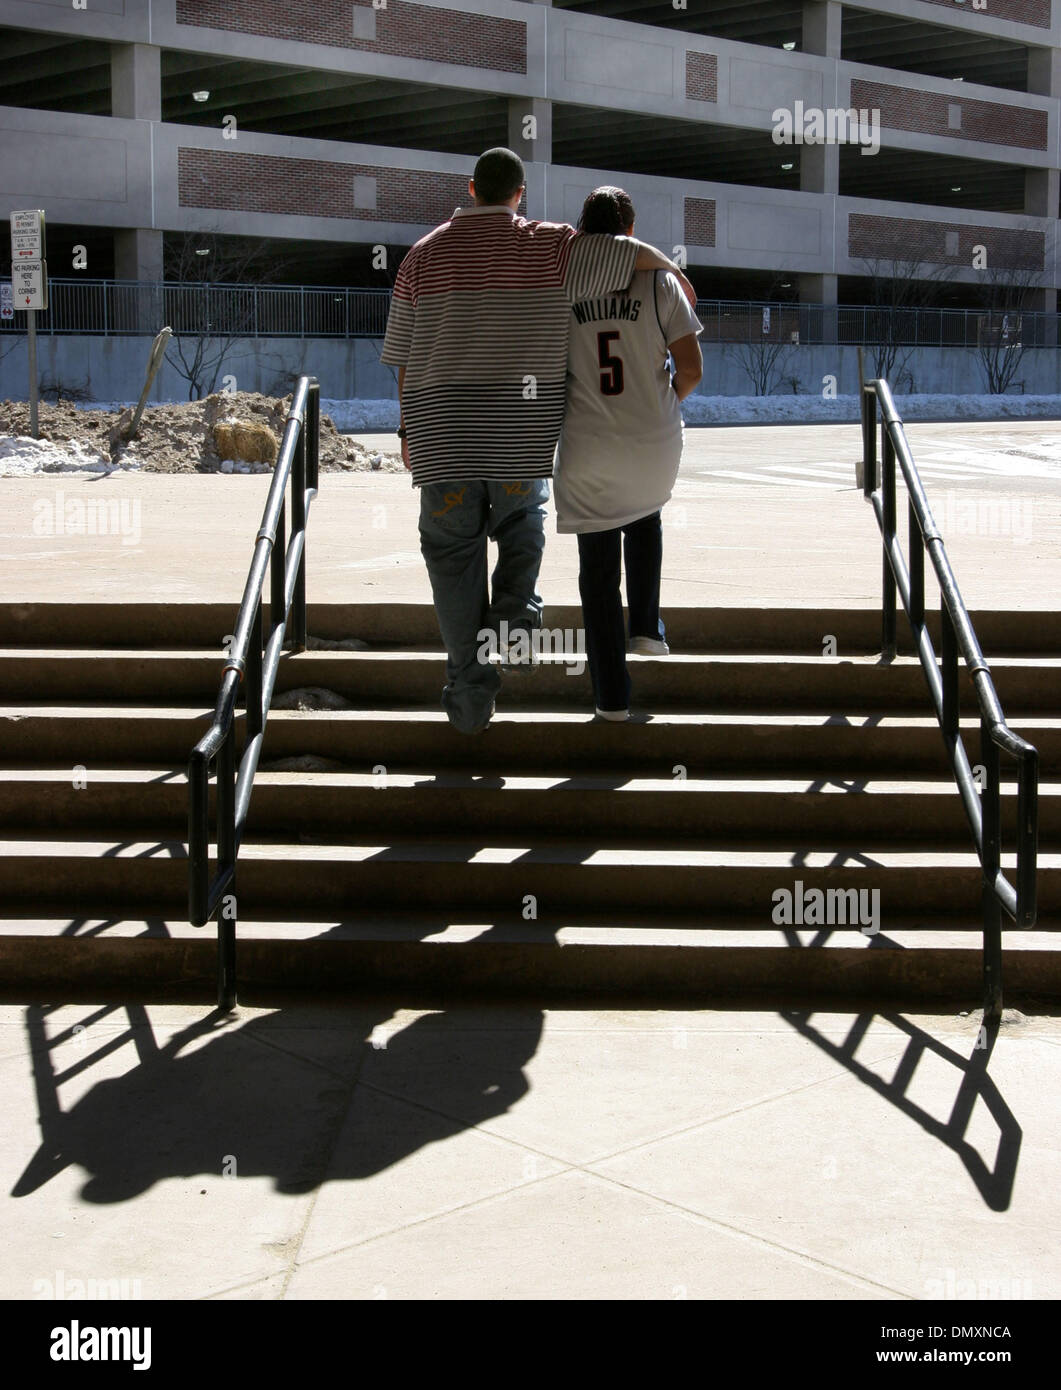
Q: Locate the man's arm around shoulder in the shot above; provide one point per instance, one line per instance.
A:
(648, 258)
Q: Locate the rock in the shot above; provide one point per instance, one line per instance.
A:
(310, 697)
(342, 644)
(227, 465)
(248, 440)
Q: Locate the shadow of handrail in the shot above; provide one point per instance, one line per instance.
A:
(995, 1182)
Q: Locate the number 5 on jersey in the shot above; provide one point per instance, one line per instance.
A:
(611, 377)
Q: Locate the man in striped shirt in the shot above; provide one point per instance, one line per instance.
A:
(478, 330)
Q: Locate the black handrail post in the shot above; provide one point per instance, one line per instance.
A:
(298, 526)
(992, 855)
(278, 570)
(917, 570)
(888, 489)
(226, 856)
(313, 432)
(949, 673)
(869, 440)
(254, 716)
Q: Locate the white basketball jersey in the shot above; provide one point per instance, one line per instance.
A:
(621, 443)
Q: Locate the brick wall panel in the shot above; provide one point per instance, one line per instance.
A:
(905, 239)
(1035, 12)
(699, 221)
(701, 76)
(990, 122)
(234, 182)
(403, 29)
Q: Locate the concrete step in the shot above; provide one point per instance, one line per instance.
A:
(400, 679)
(113, 878)
(139, 802)
(717, 629)
(541, 743)
(425, 960)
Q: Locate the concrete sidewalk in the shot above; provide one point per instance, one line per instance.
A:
(351, 1151)
(729, 541)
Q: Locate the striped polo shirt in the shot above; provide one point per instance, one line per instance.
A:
(479, 319)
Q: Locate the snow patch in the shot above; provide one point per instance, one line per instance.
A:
(21, 456)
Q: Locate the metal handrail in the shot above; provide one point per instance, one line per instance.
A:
(256, 662)
(980, 795)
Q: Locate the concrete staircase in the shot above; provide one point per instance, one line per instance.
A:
(550, 855)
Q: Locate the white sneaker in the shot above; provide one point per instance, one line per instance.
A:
(647, 646)
(615, 716)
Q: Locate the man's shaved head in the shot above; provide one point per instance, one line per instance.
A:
(499, 174)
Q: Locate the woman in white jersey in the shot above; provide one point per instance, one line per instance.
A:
(619, 451)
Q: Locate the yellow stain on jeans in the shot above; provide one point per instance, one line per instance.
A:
(452, 499)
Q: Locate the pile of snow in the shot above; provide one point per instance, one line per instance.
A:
(362, 417)
(238, 466)
(21, 456)
(779, 410)
(356, 417)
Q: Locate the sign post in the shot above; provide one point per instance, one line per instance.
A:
(29, 288)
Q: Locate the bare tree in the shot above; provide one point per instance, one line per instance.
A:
(766, 361)
(999, 330)
(212, 307)
(900, 287)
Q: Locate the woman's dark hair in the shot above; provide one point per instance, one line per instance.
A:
(609, 210)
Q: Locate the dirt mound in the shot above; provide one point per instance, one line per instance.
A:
(180, 438)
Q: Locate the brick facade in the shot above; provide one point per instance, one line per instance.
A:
(1035, 12)
(268, 183)
(699, 221)
(403, 29)
(701, 76)
(989, 122)
(906, 239)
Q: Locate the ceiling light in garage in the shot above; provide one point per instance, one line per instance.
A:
(202, 250)
(956, 188)
(789, 46)
(788, 166)
(200, 96)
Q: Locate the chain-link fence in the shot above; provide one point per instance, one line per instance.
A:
(115, 307)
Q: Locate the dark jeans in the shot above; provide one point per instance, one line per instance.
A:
(602, 603)
(456, 521)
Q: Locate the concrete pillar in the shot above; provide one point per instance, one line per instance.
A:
(530, 134)
(824, 290)
(138, 254)
(1044, 71)
(821, 27)
(819, 168)
(1042, 188)
(136, 81)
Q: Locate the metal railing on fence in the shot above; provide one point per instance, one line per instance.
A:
(117, 307)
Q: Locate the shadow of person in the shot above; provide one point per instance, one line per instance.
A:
(275, 1096)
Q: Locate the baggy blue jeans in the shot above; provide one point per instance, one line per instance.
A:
(602, 604)
(456, 521)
